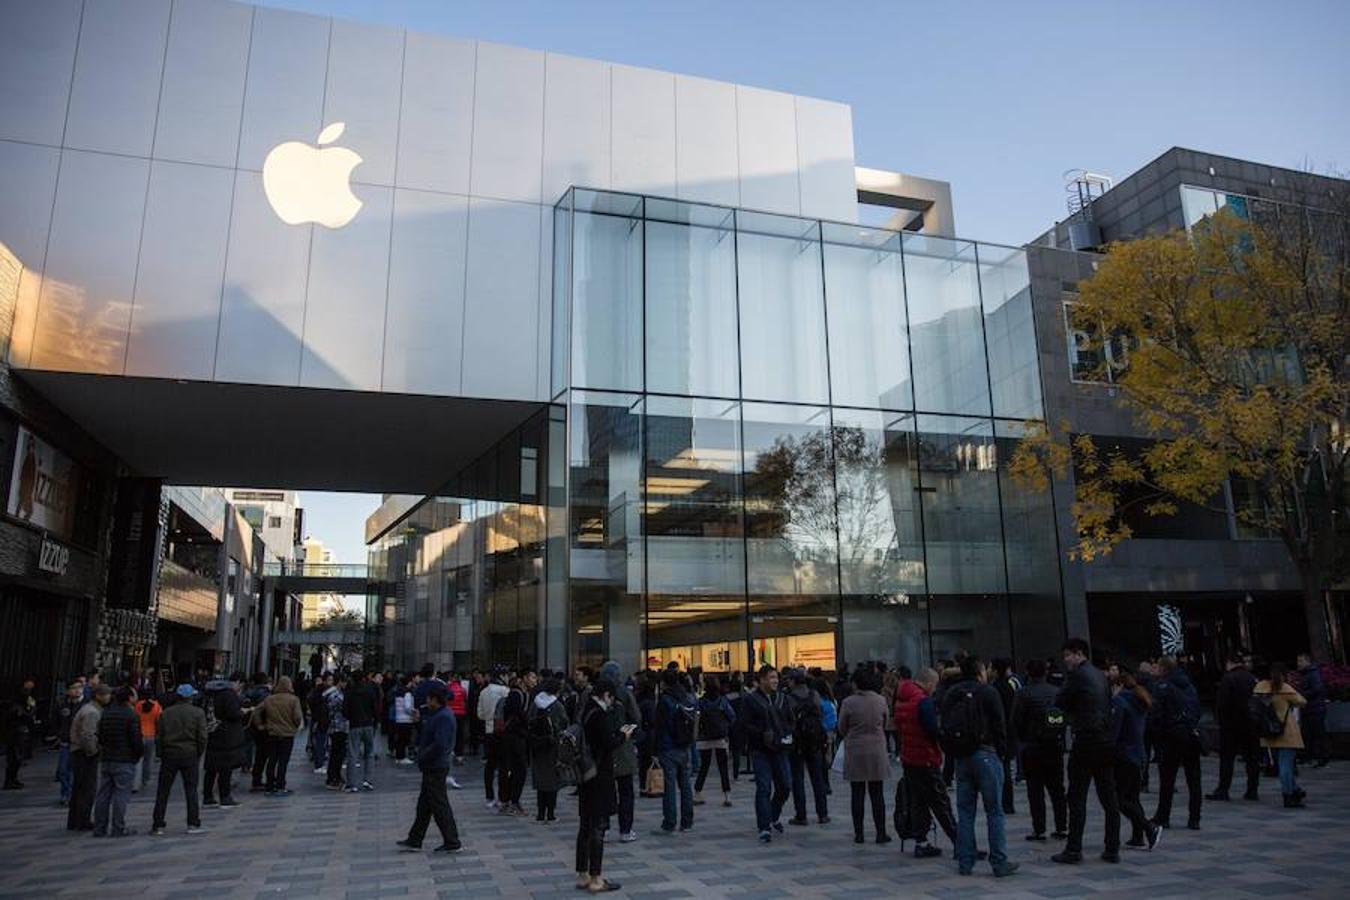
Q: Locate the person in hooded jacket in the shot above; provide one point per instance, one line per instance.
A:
(806, 757)
(547, 720)
(626, 756)
(1042, 751)
(1175, 716)
(281, 717)
(225, 743)
(1129, 710)
(596, 797)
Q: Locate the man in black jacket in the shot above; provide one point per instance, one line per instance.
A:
(768, 729)
(1235, 730)
(361, 703)
(1086, 702)
(120, 746)
(1175, 718)
(1042, 741)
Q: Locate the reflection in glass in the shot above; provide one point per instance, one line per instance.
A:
(869, 348)
(607, 302)
(946, 328)
(782, 315)
(958, 465)
(1010, 332)
(562, 294)
(691, 310)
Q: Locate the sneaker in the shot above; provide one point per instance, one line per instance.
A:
(157, 832)
(797, 820)
(1153, 837)
(229, 804)
(449, 848)
(125, 832)
(351, 789)
(1008, 868)
(209, 804)
(281, 793)
(1068, 857)
(883, 839)
(663, 832)
(1037, 837)
(698, 800)
(765, 837)
(367, 786)
(406, 846)
(627, 837)
(454, 785)
(926, 851)
(490, 805)
(778, 827)
(1140, 844)
(823, 820)
(1111, 856)
(1059, 835)
(196, 829)
(320, 771)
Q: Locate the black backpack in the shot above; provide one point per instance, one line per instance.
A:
(1265, 721)
(901, 818)
(712, 723)
(808, 726)
(684, 722)
(542, 733)
(962, 731)
(1048, 726)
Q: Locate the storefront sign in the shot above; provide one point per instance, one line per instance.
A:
(44, 485)
(53, 557)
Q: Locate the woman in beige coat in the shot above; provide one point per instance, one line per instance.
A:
(1284, 703)
(862, 727)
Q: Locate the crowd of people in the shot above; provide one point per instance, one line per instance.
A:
(962, 727)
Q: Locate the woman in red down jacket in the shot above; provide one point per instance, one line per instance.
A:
(459, 707)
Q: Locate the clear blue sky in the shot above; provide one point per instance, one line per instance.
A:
(998, 98)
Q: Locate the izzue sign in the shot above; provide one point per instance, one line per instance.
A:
(53, 557)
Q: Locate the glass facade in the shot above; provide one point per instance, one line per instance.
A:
(786, 441)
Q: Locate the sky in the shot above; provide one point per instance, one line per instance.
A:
(1000, 99)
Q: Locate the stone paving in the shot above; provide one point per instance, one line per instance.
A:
(322, 844)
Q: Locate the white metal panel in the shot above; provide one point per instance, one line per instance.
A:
(28, 186)
(287, 66)
(766, 131)
(436, 127)
(117, 75)
(501, 302)
(423, 335)
(37, 56)
(508, 123)
(365, 74)
(182, 264)
(85, 301)
(203, 91)
(345, 303)
(829, 186)
(576, 125)
(705, 141)
(263, 304)
(544, 329)
(644, 131)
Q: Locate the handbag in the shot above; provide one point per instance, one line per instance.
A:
(656, 779)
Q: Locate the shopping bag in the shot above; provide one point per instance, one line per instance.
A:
(838, 764)
(656, 779)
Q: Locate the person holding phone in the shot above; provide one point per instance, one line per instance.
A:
(597, 798)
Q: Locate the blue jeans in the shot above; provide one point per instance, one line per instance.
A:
(360, 743)
(319, 736)
(773, 785)
(1284, 758)
(64, 773)
(114, 792)
(980, 774)
(675, 766)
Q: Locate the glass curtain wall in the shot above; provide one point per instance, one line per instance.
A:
(786, 442)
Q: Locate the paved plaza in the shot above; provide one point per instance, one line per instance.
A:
(322, 844)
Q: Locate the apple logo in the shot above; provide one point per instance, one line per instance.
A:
(309, 184)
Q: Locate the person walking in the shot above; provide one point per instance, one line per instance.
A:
(1284, 703)
(1175, 717)
(768, 729)
(282, 717)
(916, 724)
(85, 759)
(862, 726)
(338, 732)
(435, 743)
(676, 727)
(1313, 716)
(1038, 725)
(148, 711)
(1129, 713)
(1236, 735)
(18, 724)
(65, 718)
(119, 742)
(603, 734)
(973, 732)
(807, 756)
(361, 701)
(256, 750)
(716, 720)
(181, 733)
(225, 743)
(548, 720)
(626, 756)
(1085, 699)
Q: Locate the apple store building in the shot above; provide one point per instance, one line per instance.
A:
(633, 378)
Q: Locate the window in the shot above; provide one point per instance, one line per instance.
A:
(274, 521)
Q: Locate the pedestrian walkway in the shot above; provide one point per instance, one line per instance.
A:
(316, 843)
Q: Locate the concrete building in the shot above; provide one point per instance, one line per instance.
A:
(274, 515)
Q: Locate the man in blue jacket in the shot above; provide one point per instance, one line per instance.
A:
(1175, 719)
(1314, 716)
(434, 744)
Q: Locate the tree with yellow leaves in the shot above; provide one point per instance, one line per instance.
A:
(1239, 373)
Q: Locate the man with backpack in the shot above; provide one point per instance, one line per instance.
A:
(973, 732)
(1236, 734)
(1038, 725)
(1175, 718)
(510, 721)
(923, 790)
(1086, 702)
(676, 727)
(808, 744)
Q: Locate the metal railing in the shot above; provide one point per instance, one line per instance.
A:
(315, 570)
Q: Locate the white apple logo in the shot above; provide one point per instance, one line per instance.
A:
(306, 184)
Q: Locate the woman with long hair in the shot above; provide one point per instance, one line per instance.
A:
(862, 727)
(1129, 713)
(715, 721)
(1283, 702)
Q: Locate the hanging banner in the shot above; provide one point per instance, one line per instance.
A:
(44, 485)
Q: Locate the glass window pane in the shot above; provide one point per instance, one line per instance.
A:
(869, 347)
(607, 302)
(605, 535)
(782, 315)
(946, 332)
(791, 544)
(1010, 332)
(692, 525)
(691, 310)
(562, 292)
(959, 484)
(1196, 203)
